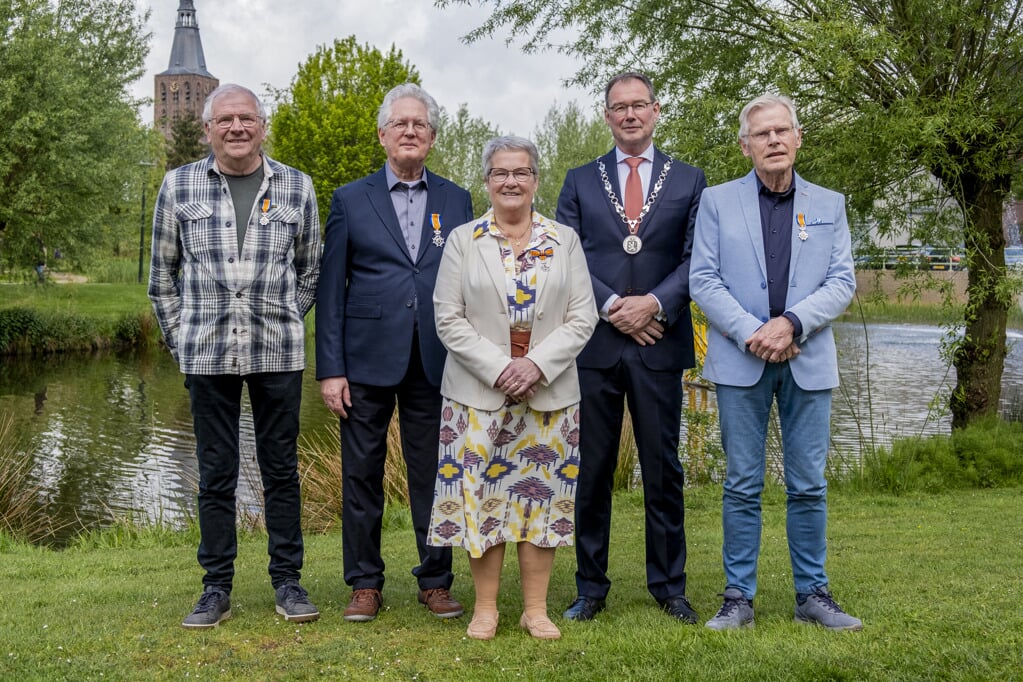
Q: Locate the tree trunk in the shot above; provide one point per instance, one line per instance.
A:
(980, 357)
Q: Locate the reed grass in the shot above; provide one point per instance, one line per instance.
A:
(319, 464)
(23, 514)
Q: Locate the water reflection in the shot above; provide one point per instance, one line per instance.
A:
(111, 433)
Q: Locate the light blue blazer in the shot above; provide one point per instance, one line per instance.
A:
(728, 280)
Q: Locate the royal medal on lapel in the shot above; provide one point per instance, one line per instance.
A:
(632, 244)
(437, 240)
(802, 227)
(263, 220)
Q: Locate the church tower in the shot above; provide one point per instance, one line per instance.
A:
(181, 89)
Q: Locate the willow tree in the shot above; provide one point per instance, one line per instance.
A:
(899, 98)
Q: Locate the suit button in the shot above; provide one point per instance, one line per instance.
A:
(408, 304)
(415, 270)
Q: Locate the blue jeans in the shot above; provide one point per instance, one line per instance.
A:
(805, 418)
(216, 408)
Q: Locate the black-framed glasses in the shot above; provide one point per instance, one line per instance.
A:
(520, 174)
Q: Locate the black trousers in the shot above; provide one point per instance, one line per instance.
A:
(363, 452)
(655, 404)
(216, 408)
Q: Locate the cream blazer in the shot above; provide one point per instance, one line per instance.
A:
(471, 311)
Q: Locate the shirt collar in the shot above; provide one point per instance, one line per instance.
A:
(647, 154)
(393, 181)
(485, 225)
(763, 191)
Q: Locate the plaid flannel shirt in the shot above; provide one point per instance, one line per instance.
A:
(225, 312)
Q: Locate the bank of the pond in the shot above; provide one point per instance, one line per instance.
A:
(59, 318)
(75, 316)
(936, 601)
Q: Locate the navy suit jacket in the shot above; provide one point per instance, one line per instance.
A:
(661, 268)
(372, 294)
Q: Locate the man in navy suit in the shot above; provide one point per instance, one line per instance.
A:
(634, 209)
(772, 267)
(376, 343)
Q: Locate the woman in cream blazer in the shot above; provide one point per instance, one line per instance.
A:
(514, 307)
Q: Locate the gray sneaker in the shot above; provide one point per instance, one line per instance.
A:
(293, 603)
(213, 607)
(736, 612)
(819, 608)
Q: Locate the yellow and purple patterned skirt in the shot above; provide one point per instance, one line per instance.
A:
(505, 476)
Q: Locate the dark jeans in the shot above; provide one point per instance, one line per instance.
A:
(216, 408)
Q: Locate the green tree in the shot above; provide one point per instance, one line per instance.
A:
(325, 122)
(458, 153)
(567, 138)
(901, 100)
(71, 141)
(186, 141)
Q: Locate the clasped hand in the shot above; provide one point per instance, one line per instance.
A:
(518, 379)
(773, 341)
(634, 315)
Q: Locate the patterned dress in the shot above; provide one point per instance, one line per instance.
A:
(507, 475)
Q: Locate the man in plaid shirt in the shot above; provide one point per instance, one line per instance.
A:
(236, 246)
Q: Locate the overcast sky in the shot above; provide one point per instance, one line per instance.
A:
(252, 42)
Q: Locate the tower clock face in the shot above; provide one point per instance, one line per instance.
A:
(174, 86)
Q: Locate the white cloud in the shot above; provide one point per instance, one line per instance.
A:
(253, 42)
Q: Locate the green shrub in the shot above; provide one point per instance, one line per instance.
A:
(26, 331)
(137, 330)
(17, 324)
(986, 454)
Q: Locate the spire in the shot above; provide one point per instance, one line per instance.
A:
(186, 53)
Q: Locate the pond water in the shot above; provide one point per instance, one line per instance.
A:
(111, 433)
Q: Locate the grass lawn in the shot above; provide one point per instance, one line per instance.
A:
(91, 300)
(936, 579)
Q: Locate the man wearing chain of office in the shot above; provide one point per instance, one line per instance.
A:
(634, 209)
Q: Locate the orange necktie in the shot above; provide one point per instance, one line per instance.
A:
(633, 188)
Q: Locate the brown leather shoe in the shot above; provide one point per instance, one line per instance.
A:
(440, 602)
(364, 605)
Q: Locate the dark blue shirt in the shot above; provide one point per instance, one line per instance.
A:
(776, 223)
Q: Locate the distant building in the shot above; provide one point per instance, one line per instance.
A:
(1012, 221)
(181, 89)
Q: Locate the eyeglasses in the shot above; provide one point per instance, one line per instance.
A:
(765, 135)
(501, 174)
(247, 121)
(418, 125)
(637, 108)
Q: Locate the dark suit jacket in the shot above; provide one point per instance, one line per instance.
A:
(661, 268)
(365, 315)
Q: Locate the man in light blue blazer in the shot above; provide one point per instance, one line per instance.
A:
(771, 268)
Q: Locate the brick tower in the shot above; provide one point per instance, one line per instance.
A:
(182, 88)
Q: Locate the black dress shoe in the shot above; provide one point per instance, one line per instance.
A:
(584, 608)
(678, 607)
